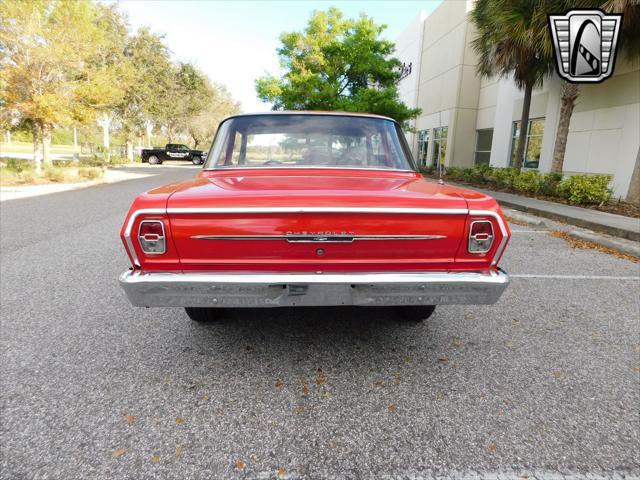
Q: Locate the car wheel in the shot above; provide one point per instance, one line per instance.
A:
(197, 160)
(153, 160)
(416, 313)
(202, 315)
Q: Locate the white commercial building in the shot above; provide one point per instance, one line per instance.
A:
(467, 119)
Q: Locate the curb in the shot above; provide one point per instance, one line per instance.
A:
(622, 246)
(518, 217)
(578, 222)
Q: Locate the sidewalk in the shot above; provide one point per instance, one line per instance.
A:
(616, 225)
(24, 191)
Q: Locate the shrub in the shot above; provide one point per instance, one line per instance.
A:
(477, 174)
(527, 181)
(91, 173)
(94, 161)
(455, 173)
(426, 169)
(28, 176)
(503, 177)
(55, 174)
(548, 184)
(584, 190)
(18, 165)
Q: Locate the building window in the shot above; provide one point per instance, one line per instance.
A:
(439, 145)
(533, 147)
(484, 138)
(423, 147)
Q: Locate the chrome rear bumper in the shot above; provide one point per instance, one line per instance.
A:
(287, 290)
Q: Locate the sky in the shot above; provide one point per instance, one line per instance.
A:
(234, 42)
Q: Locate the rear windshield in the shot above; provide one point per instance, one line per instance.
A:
(309, 141)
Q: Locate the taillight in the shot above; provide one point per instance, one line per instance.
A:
(151, 237)
(480, 236)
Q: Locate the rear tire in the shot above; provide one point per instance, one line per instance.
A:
(416, 313)
(203, 314)
(196, 160)
(153, 160)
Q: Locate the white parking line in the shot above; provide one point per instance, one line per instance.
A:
(575, 277)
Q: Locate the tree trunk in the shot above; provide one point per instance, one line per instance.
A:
(75, 138)
(46, 143)
(129, 151)
(633, 196)
(37, 149)
(524, 125)
(8, 139)
(568, 94)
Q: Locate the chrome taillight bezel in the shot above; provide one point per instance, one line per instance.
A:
(471, 247)
(159, 240)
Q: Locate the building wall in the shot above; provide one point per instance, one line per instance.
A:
(604, 135)
(449, 87)
(408, 51)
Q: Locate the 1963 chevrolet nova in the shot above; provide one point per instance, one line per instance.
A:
(309, 209)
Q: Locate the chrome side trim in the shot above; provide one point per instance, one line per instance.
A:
(160, 289)
(390, 210)
(318, 238)
(132, 220)
(503, 229)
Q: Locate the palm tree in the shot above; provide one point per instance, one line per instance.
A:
(511, 42)
(629, 41)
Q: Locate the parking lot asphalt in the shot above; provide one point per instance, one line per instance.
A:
(544, 384)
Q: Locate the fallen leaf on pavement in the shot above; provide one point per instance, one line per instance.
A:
(179, 421)
(443, 360)
(378, 383)
(393, 408)
(320, 380)
(279, 384)
(298, 409)
(493, 447)
(130, 419)
(205, 397)
(178, 452)
(119, 452)
(281, 472)
(155, 459)
(396, 380)
(408, 359)
(557, 373)
(458, 343)
(239, 465)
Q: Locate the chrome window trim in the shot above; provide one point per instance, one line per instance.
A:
(129, 227)
(389, 210)
(306, 167)
(503, 230)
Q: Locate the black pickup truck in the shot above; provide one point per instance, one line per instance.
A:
(172, 151)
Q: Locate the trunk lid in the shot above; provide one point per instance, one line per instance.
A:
(321, 220)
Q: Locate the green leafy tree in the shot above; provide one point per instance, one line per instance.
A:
(47, 53)
(147, 75)
(511, 43)
(337, 64)
(202, 127)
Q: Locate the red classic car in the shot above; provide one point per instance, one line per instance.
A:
(308, 209)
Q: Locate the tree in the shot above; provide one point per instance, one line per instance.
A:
(147, 77)
(629, 43)
(337, 64)
(47, 49)
(202, 127)
(511, 43)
